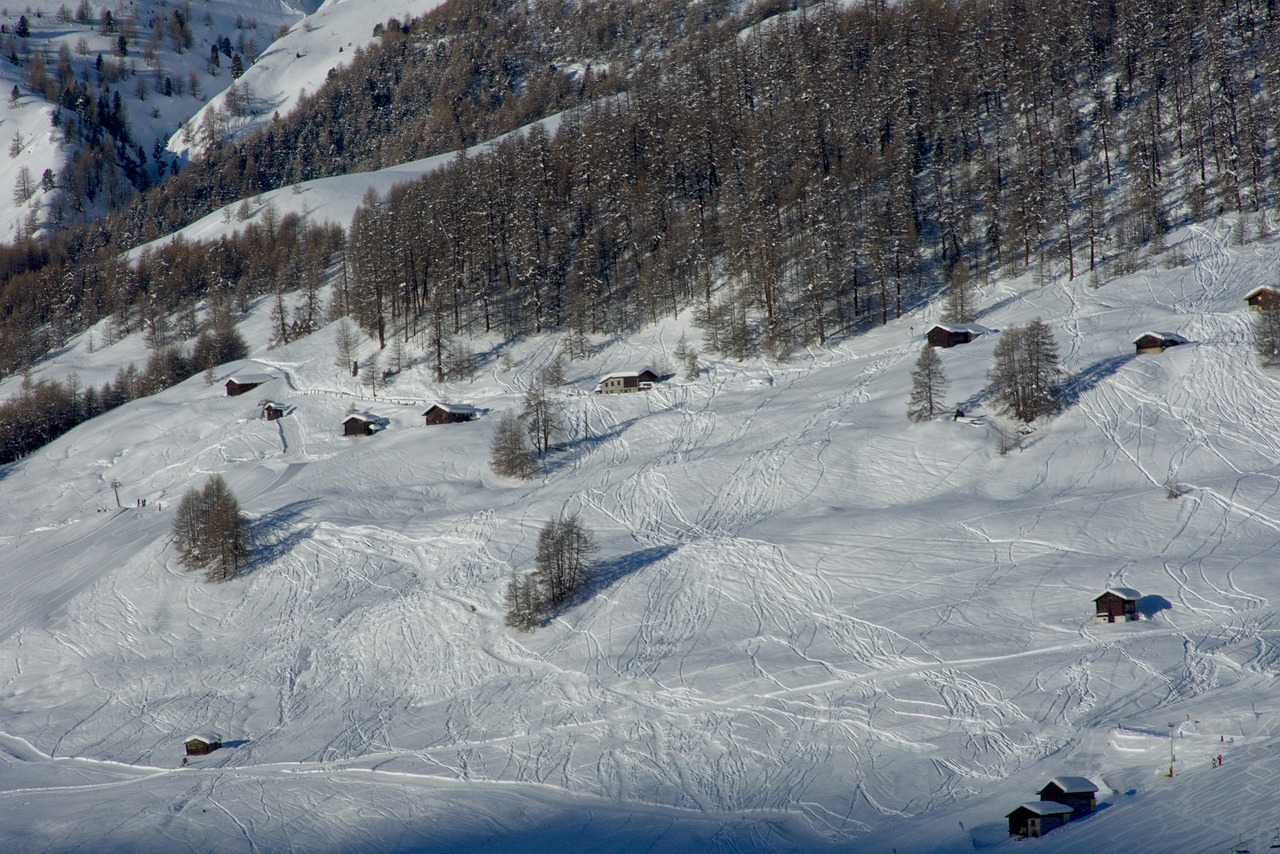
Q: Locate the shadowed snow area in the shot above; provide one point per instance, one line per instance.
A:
(816, 625)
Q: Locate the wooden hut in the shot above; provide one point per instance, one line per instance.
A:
(1116, 604)
(240, 383)
(1157, 342)
(628, 381)
(1038, 818)
(1078, 793)
(272, 411)
(951, 334)
(450, 413)
(199, 745)
(1263, 298)
(361, 424)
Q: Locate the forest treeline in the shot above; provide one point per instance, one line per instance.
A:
(792, 179)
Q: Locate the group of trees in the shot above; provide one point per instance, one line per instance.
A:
(210, 533)
(1024, 378)
(565, 559)
(521, 438)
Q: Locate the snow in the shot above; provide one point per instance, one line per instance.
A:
(1123, 592)
(1044, 808)
(816, 626)
(972, 328)
(1072, 785)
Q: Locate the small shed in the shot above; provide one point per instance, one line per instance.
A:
(627, 381)
(199, 745)
(1157, 342)
(1116, 604)
(1078, 793)
(951, 334)
(272, 411)
(450, 413)
(240, 383)
(1263, 298)
(361, 424)
(1038, 818)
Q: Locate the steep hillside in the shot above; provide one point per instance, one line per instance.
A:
(814, 624)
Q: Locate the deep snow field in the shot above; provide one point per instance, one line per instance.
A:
(815, 626)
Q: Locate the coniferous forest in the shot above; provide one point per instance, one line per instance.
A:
(791, 173)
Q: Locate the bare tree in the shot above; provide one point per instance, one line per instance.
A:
(1266, 334)
(566, 556)
(1024, 378)
(928, 385)
(510, 454)
(542, 417)
(210, 533)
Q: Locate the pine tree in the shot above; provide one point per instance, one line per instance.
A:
(928, 385)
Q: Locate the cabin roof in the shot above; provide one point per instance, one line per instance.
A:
(625, 374)
(1072, 785)
(366, 417)
(1123, 593)
(1163, 336)
(207, 738)
(455, 408)
(971, 328)
(1043, 808)
(249, 379)
(1264, 289)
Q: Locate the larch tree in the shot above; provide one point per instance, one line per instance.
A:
(210, 533)
(928, 385)
(1024, 377)
(510, 454)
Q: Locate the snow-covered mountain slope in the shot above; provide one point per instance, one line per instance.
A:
(815, 625)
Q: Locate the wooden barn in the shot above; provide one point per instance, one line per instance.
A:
(1117, 604)
(199, 745)
(272, 411)
(1157, 342)
(629, 381)
(361, 424)
(1038, 818)
(1263, 298)
(951, 334)
(1078, 793)
(450, 413)
(240, 383)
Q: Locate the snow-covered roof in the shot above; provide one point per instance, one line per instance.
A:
(207, 738)
(249, 379)
(1123, 593)
(1264, 289)
(624, 374)
(455, 408)
(366, 417)
(1072, 785)
(1043, 808)
(971, 328)
(1163, 336)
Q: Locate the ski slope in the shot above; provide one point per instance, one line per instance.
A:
(815, 625)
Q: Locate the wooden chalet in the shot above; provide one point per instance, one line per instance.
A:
(951, 334)
(1038, 818)
(1157, 342)
(240, 383)
(1077, 793)
(1263, 298)
(361, 424)
(1117, 604)
(626, 382)
(199, 745)
(450, 413)
(272, 411)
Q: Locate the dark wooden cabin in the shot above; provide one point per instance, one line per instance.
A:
(1157, 342)
(361, 424)
(240, 383)
(272, 411)
(450, 413)
(952, 334)
(1038, 818)
(199, 745)
(1079, 793)
(630, 381)
(1263, 298)
(1117, 604)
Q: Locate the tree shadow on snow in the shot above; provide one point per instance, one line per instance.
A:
(275, 534)
(1092, 376)
(610, 572)
(1149, 606)
(562, 454)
